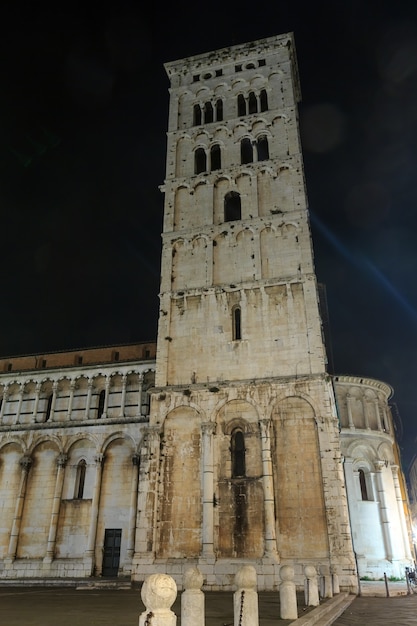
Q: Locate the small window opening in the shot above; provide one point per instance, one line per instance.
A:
(246, 151)
(238, 454)
(80, 480)
(232, 207)
(241, 105)
(219, 110)
(262, 62)
(147, 354)
(78, 360)
(200, 161)
(262, 148)
(196, 78)
(219, 72)
(43, 363)
(100, 406)
(362, 482)
(48, 408)
(253, 103)
(250, 66)
(237, 324)
(9, 367)
(197, 115)
(208, 113)
(264, 100)
(115, 355)
(238, 68)
(215, 157)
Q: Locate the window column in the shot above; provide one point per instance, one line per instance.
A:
(208, 429)
(36, 403)
(106, 398)
(56, 503)
(71, 400)
(25, 464)
(92, 532)
(123, 398)
(140, 395)
(133, 507)
(268, 485)
(349, 410)
(3, 402)
(88, 399)
(19, 404)
(54, 391)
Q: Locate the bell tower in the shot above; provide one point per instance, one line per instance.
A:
(238, 289)
(243, 457)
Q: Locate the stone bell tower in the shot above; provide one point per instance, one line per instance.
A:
(247, 464)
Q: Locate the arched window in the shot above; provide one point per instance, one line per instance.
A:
(253, 103)
(241, 105)
(232, 208)
(200, 161)
(262, 148)
(208, 113)
(264, 100)
(100, 406)
(246, 151)
(238, 454)
(219, 110)
(48, 408)
(237, 323)
(80, 480)
(363, 486)
(215, 157)
(197, 115)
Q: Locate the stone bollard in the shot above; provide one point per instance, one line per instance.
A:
(311, 587)
(335, 579)
(158, 595)
(245, 599)
(325, 582)
(287, 594)
(192, 599)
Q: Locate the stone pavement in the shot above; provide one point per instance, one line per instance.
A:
(368, 611)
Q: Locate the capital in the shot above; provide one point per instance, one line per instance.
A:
(26, 462)
(62, 460)
(208, 428)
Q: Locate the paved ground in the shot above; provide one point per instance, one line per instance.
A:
(367, 611)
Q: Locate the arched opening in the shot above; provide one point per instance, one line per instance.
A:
(363, 486)
(238, 454)
(208, 113)
(197, 115)
(219, 110)
(262, 148)
(232, 207)
(80, 480)
(237, 323)
(200, 161)
(264, 100)
(246, 151)
(100, 406)
(253, 103)
(48, 408)
(215, 157)
(241, 105)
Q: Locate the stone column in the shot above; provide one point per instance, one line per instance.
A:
(54, 390)
(3, 402)
(401, 514)
(88, 399)
(56, 503)
(268, 485)
(378, 415)
(245, 598)
(71, 400)
(287, 593)
(383, 509)
(349, 410)
(208, 429)
(106, 398)
(91, 542)
(123, 398)
(158, 594)
(36, 403)
(133, 507)
(19, 404)
(140, 395)
(192, 599)
(25, 463)
(147, 495)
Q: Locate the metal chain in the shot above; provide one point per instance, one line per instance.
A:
(242, 598)
(148, 619)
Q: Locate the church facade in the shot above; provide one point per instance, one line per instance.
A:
(230, 443)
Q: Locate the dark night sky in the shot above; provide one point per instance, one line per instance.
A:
(84, 105)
